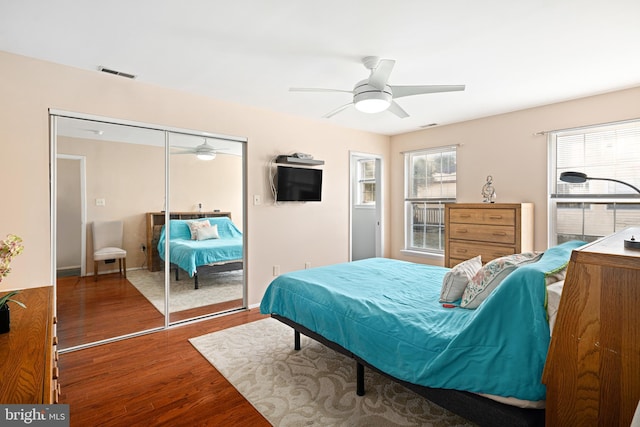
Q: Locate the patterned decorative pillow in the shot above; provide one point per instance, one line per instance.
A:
(456, 280)
(491, 275)
(207, 233)
(194, 226)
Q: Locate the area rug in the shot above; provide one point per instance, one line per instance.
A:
(214, 288)
(315, 386)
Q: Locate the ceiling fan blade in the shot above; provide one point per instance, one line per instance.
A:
(179, 149)
(397, 110)
(315, 89)
(337, 110)
(380, 75)
(400, 91)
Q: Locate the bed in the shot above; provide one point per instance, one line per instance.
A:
(387, 315)
(192, 245)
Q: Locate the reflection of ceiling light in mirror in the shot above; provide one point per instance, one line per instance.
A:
(206, 156)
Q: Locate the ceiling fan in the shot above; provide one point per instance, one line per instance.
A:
(203, 151)
(374, 94)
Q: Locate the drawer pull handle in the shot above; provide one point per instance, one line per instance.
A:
(462, 230)
(499, 233)
(465, 216)
(495, 216)
(461, 251)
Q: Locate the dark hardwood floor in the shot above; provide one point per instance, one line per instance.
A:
(152, 380)
(91, 311)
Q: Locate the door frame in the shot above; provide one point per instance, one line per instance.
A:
(354, 156)
(83, 207)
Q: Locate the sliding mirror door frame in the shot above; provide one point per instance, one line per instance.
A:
(54, 115)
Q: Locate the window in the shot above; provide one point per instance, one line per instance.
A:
(366, 182)
(430, 182)
(595, 208)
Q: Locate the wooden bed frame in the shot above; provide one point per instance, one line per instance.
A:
(478, 409)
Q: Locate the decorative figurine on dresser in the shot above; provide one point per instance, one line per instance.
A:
(488, 191)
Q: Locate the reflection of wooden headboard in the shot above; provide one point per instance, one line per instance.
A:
(155, 221)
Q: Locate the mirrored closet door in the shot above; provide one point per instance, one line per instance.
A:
(145, 184)
(206, 240)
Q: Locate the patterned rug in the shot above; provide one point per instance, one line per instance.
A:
(315, 386)
(214, 288)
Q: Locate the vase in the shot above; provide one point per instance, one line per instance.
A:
(5, 319)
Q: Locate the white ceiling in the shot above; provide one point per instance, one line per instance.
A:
(510, 54)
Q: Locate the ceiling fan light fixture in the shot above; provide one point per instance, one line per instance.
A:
(206, 156)
(372, 102)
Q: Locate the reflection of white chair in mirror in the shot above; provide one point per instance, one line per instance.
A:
(107, 244)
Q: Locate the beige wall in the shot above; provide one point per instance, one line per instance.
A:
(130, 179)
(505, 147)
(286, 235)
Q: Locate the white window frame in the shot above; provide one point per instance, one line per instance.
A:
(360, 179)
(615, 201)
(409, 201)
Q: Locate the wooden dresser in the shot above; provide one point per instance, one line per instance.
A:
(488, 229)
(155, 221)
(28, 355)
(592, 371)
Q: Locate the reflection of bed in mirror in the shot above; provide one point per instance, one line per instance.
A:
(210, 242)
(155, 223)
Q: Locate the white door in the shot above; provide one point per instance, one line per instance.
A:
(70, 218)
(366, 206)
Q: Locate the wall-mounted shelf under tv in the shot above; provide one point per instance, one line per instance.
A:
(292, 160)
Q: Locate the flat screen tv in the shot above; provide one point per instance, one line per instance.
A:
(298, 184)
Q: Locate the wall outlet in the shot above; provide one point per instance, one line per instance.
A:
(307, 265)
(257, 199)
(276, 270)
(101, 202)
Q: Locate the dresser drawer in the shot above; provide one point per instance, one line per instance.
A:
(483, 233)
(462, 251)
(483, 216)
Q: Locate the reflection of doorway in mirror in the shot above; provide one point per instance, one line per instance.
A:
(71, 208)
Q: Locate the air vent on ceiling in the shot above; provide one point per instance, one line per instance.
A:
(429, 125)
(116, 72)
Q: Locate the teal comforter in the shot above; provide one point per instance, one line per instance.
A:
(387, 312)
(190, 254)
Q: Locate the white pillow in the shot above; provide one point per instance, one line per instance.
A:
(194, 226)
(491, 275)
(456, 280)
(207, 233)
(554, 292)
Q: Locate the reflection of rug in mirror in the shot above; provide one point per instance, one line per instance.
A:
(314, 386)
(214, 288)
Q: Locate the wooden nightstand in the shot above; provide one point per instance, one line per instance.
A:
(592, 371)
